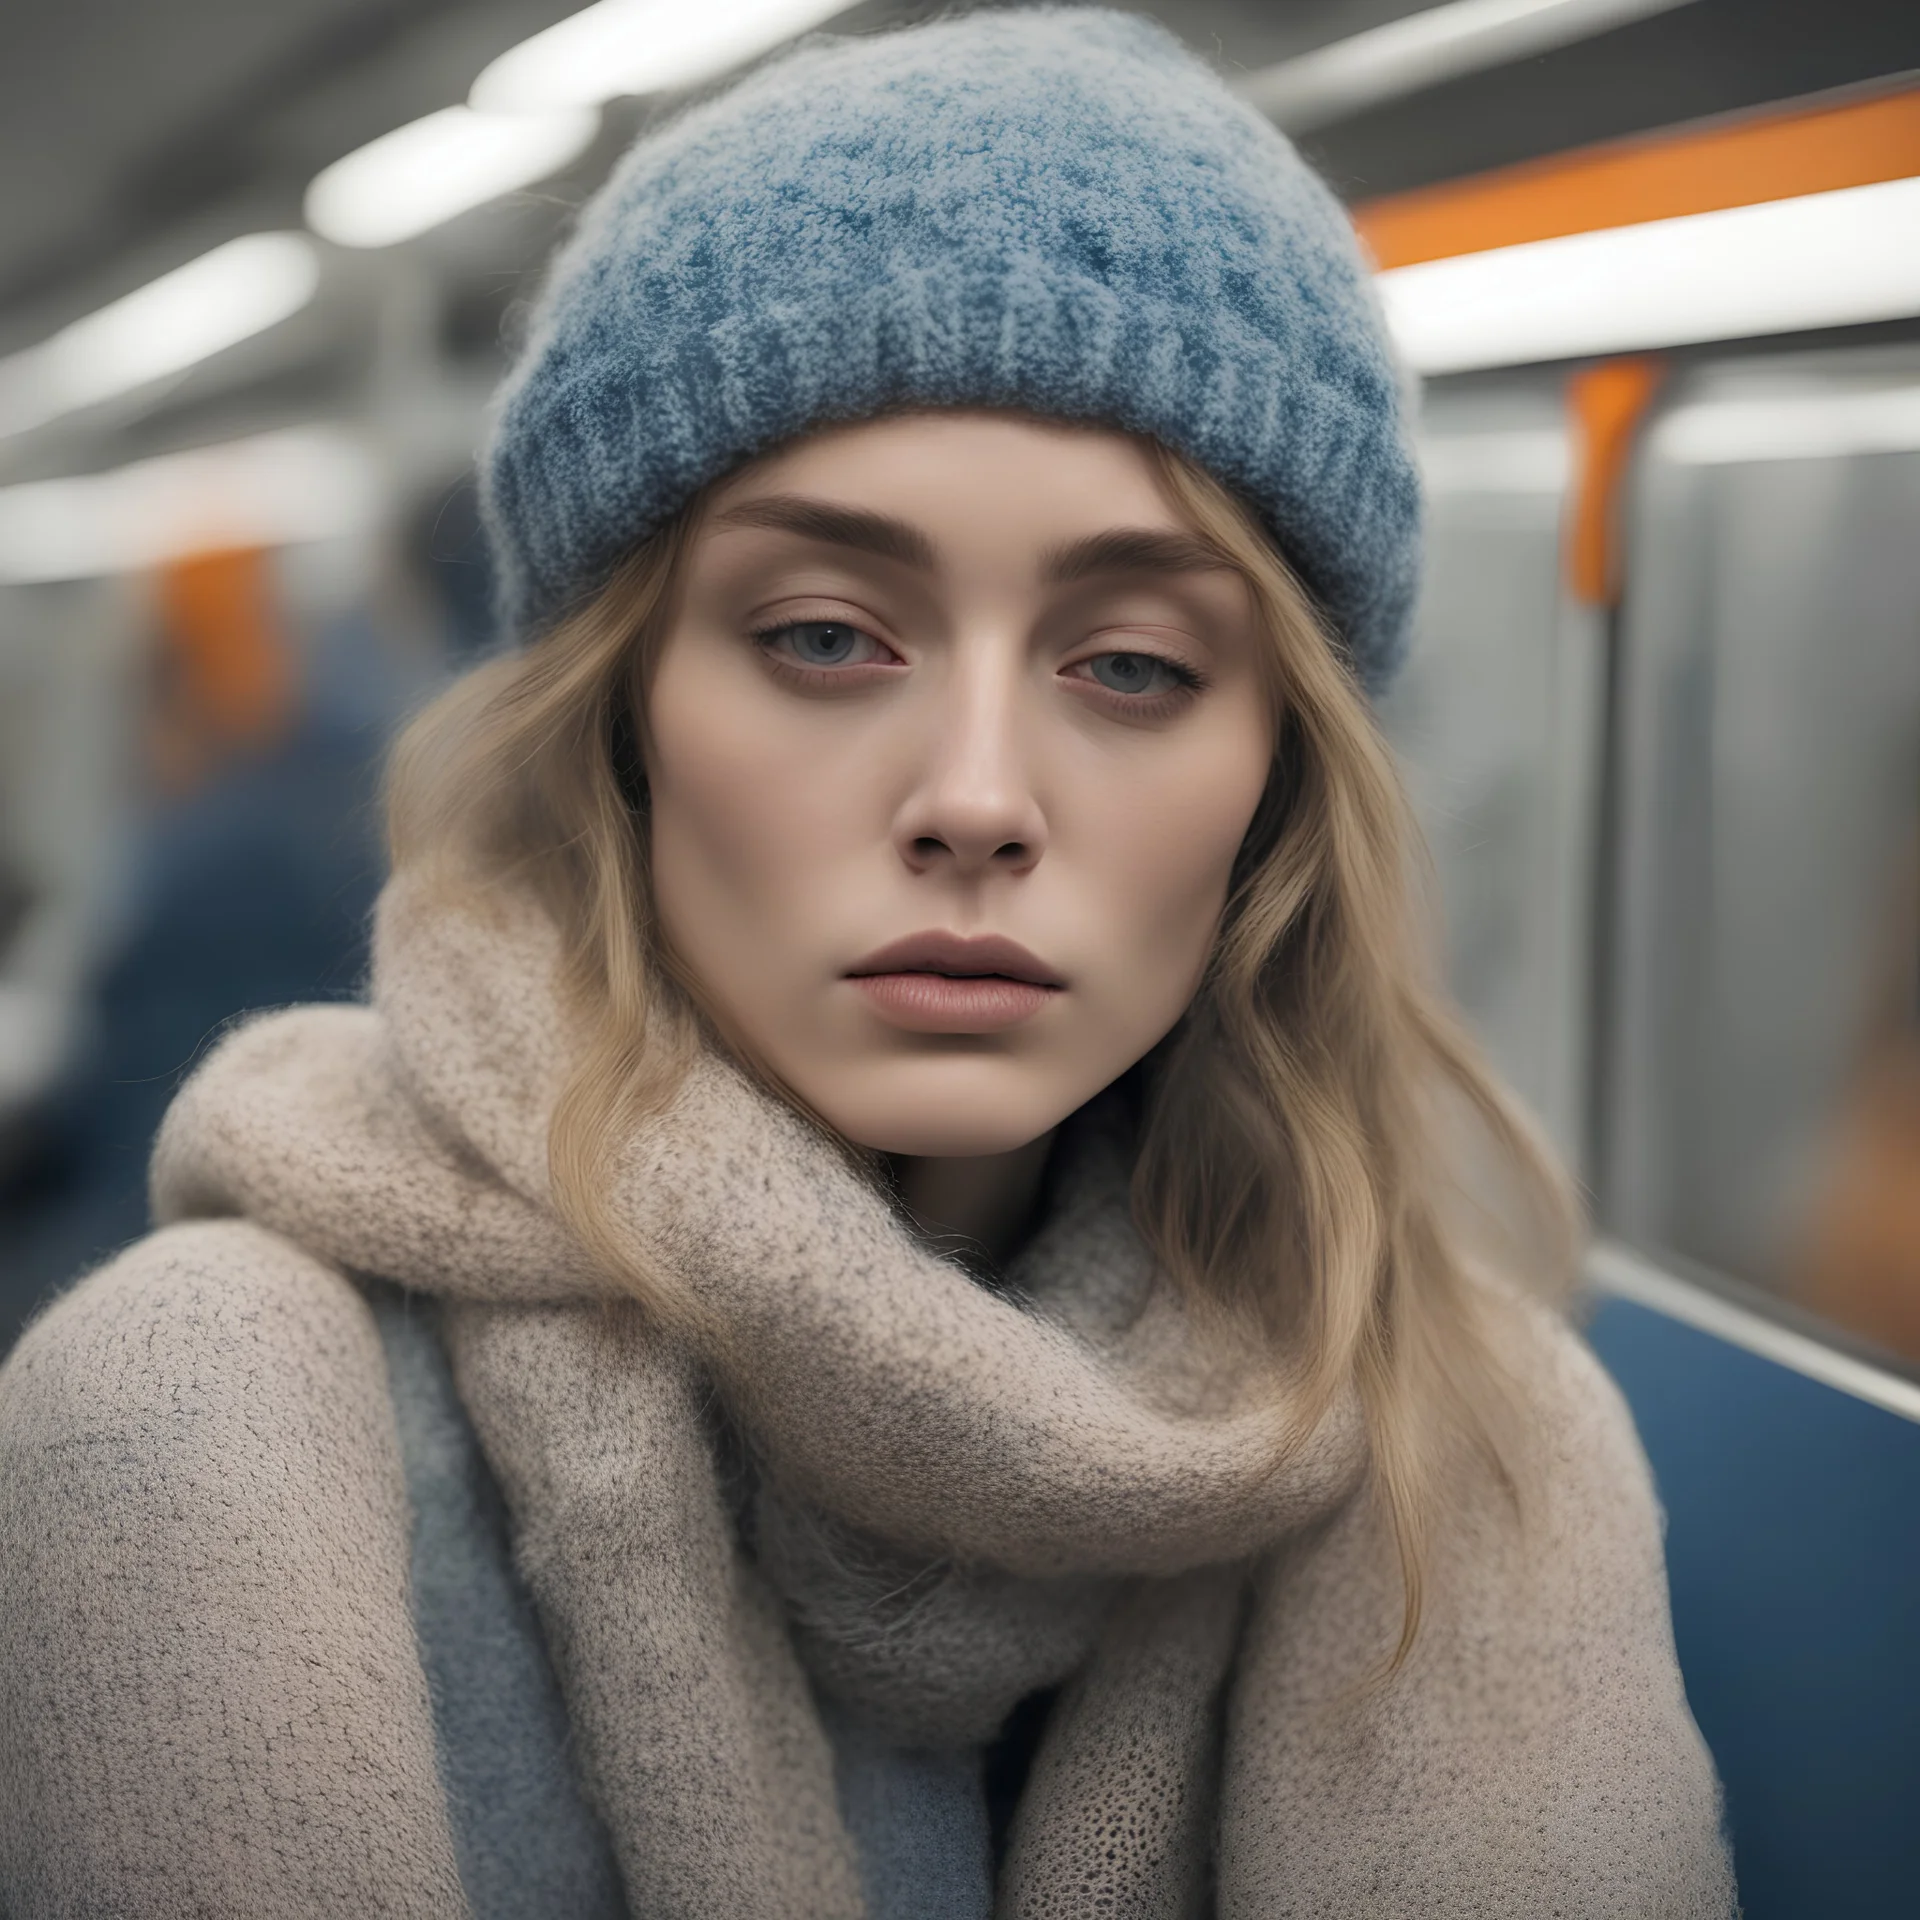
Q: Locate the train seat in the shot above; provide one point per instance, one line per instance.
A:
(1793, 1552)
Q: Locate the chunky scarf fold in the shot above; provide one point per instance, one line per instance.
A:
(959, 1495)
(856, 1478)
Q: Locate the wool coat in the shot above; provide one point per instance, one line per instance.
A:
(364, 1549)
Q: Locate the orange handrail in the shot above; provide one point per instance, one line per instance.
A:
(1607, 403)
(1739, 162)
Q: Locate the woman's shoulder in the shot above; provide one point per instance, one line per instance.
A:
(209, 1385)
(1580, 1432)
(206, 1581)
(210, 1380)
(1535, 1746)
(182, 1321)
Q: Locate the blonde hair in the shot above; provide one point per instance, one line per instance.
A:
(1289, 1171)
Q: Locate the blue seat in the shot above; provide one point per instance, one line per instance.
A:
(1793, 1551)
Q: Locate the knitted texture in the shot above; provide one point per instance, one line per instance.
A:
(1060, 211)
(527, 1843)
(179, 1730)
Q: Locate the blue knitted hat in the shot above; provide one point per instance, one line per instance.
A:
(1060, 211)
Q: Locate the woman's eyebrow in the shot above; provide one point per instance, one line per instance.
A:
(1130, 550)
(1116, 550)
(833, 526)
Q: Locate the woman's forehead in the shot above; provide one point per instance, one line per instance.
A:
(919, 488)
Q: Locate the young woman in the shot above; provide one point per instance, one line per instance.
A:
(880, 1315)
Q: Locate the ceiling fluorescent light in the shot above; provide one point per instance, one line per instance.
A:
(1794, 426)
(1820, 260)
(639, 46)
(1426, 48)
(172, 323)
(430, 170)
(299, 484)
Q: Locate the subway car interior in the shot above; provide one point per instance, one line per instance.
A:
(1654, 269)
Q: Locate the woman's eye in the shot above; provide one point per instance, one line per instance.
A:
(1136, 673)
(823, 643)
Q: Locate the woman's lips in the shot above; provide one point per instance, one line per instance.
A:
(950, 1003)
(938, 982)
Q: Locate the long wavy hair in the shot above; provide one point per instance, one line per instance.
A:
(1299, 1164)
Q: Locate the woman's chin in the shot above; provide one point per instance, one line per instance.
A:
(948, 1109)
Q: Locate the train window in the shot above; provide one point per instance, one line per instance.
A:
(1496, 722)
(1763, 1055)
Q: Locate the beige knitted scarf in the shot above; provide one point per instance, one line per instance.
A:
(961, 1494)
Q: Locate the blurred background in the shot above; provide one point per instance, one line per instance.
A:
(1658, 262)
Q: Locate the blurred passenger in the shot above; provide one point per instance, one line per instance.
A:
(250, 883)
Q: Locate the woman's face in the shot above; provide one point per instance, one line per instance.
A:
(951, 745)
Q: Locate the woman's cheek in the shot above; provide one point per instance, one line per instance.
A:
(1162, 862)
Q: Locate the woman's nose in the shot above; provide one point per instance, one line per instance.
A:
(973, 805)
